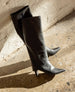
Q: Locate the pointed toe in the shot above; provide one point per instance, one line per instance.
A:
(53, 51)
(57, 71)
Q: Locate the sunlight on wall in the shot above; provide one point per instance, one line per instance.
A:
(50, 11)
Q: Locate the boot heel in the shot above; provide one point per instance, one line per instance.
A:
(36, 73)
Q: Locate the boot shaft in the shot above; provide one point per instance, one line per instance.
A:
(17, 19)
(34, 40)
(32, 32)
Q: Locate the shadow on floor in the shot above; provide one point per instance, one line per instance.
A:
(14, 68)
(25, 80)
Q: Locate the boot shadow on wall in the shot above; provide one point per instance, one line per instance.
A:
(5, 20)
(25, 80)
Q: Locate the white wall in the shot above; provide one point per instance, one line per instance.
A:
(50, 11)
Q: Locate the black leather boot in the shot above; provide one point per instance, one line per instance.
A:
(17, 18)
(33, 38)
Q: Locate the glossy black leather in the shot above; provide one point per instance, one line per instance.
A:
(34, 40)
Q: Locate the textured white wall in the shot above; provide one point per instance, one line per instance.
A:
(50, 11)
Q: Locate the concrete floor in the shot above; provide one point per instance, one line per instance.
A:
(17, 74)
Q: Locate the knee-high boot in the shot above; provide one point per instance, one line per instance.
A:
(33, 38)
